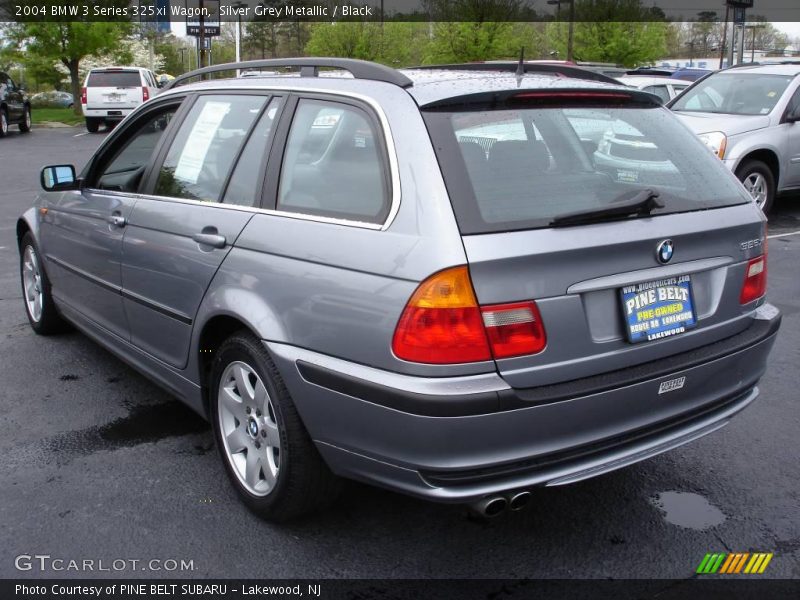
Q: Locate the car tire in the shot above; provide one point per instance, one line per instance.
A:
(92, 125)
(25, 124)
(36, 291)
(759, 181)
(3, 123)
(267, 452)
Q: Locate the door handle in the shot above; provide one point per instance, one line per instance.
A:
(210, 239)
(117, 220)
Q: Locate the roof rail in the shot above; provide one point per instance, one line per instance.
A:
(309, 67)
(565, 70)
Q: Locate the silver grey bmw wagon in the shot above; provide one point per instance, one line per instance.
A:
(458, 283)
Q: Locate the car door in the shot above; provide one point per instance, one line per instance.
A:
(82, 235)
(180, 232)
(792, 144)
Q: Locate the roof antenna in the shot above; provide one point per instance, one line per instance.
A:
(520, 73)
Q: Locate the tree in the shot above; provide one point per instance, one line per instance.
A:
(475, 41)
(614, 31)
(70, 42)
(626, 43)
(395, 44)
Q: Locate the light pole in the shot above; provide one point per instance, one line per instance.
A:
(557, 4)
(752, 26)
(238, 5)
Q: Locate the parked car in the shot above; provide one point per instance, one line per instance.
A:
(418, 278)
(54, 99)
(665, 88)
(690, 73)
(748, 117)
(164, 79)
(111, 93)
(15, 106)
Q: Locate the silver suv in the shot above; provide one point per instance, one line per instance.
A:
(749, 116)
(453, 283)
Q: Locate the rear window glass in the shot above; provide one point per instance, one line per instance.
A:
(523, 168)
(114, 79)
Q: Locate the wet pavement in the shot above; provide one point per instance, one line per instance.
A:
(96, 462)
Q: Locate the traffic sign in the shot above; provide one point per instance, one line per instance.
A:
(211, 25)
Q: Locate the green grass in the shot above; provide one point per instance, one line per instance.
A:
(61, 115)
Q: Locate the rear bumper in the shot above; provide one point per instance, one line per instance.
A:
(110, 114)
(476, 436)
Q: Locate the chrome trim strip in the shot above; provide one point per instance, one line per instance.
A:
(622, 279)
(387, 135)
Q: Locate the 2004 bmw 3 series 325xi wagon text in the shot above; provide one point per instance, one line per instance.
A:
(458, 283)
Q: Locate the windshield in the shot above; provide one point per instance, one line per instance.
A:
(527, 167)
(734, 94)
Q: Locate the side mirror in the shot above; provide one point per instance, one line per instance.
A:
(793, 115)
(57, 178)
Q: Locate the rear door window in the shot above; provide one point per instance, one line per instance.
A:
(114, 79)
(209, 140)
(571, 159)
(334, 164)
(243, 186)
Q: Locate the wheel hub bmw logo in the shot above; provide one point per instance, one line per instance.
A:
(252, 428)
(664, 251)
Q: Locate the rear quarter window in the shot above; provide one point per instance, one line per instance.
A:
(334, 164)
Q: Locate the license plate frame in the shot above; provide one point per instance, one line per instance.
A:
(650, 314)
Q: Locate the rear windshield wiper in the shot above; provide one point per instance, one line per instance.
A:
(640, 205)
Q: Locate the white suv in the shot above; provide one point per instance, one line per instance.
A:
(110, 93)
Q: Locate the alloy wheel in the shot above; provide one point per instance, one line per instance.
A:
(32, 280)
(249, 428)
(756, 185)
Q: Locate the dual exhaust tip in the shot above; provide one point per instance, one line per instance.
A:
(493, 506)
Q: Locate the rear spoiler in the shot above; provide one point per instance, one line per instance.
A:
(546, 97)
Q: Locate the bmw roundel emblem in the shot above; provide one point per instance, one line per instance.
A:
(664, 251)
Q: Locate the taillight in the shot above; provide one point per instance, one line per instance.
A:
(443, 324)
(83, 95)
(145, 94)
(514, 329)
(755, 280)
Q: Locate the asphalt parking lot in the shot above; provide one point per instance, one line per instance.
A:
(97, 463)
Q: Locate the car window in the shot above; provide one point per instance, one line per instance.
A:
(735, 94)
(334, 164)
(124, 171)
(659, 90)
(588, 159)
(202, 153)
(243, 185)
(114, 79)
(794, 102)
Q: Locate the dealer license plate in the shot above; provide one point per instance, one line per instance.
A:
(658, 309)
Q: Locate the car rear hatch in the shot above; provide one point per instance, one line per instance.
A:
(629, 256)
(114, 89)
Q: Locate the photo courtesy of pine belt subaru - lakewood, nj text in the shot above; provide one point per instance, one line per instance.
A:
(458, 283)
